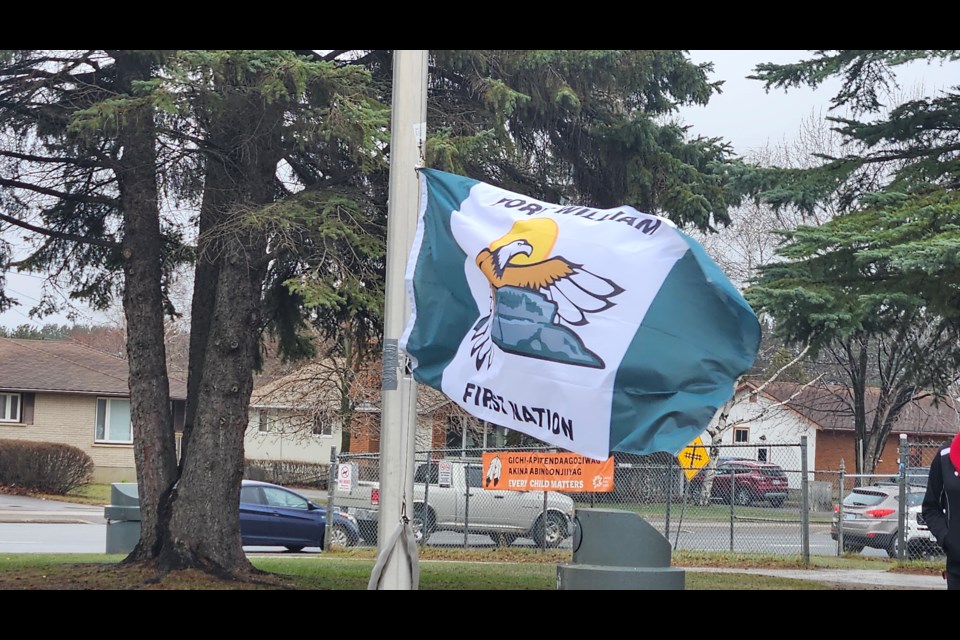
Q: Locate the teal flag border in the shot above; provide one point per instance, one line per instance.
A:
(664, 409)
(441, 322)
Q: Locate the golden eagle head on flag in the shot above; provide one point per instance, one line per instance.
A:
(521, 260)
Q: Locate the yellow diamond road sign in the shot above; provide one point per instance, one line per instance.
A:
(693, 458)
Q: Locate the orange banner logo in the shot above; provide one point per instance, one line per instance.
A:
(535, 471)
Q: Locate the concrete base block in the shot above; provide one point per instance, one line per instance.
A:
(122, 537)
(614, 549)
(599, 578)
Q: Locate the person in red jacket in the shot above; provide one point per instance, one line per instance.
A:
(941, 508)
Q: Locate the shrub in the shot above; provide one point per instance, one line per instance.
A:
(44, 467)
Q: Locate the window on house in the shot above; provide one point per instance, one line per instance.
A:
(264, 423)
(741, 435)
(9, 407)
(761, 455)
(322, 426)
(113, 420)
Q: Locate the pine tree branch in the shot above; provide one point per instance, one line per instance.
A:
(16, 184)
(908, 154)
(79, 162)
(100, 242)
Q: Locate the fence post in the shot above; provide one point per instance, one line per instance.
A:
(424, 532)
(666, 520)
(841, 491)
(733, 500)
(804, 502)
(543, 526)
(331, 487)
(902, 507)
(466, 503)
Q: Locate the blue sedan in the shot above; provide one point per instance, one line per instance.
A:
(274, 516)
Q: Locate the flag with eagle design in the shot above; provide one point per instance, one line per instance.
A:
(592, 330)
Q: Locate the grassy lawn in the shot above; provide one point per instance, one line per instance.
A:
(440, 569)
(93, 494)
(325, 573)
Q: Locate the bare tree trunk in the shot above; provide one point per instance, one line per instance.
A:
(239, 179)
(202, 532)
(150, 412)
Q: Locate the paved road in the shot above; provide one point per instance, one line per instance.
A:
(25, 509)
(29, 525)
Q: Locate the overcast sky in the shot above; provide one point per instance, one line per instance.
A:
(750, 118)
(743, 114)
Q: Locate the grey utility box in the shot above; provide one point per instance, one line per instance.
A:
(123, 517)
(618, 550)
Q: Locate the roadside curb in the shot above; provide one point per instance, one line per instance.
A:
(867, 579)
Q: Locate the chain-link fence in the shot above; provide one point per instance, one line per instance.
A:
(758, 499)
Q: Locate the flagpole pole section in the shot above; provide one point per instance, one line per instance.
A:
(398, 389)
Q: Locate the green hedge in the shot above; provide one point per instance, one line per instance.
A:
(44, 467)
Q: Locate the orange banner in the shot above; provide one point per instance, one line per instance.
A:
(535, 471)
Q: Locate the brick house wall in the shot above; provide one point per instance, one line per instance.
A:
(832, 446)
(365, 437)
(70, 419)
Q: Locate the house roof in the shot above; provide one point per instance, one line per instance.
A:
(828, 406)
(64, 366)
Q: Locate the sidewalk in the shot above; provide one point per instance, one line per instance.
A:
(24, 509)
(857, 579)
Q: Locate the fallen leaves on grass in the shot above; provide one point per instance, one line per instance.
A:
(141, 576)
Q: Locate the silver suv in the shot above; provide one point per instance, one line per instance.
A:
(871, 518)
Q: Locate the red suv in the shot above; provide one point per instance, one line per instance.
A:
(747, 481)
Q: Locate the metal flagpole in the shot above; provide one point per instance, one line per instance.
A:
(396, 566)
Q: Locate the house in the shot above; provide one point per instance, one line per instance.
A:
(62, 391)
(298, 418)
(293, 418)
(766, 419)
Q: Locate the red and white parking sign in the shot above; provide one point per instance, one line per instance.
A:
(345, 477)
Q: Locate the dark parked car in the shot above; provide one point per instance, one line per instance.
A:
(274, 516)
(745, 482)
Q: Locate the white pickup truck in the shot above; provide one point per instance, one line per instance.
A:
(450, 494)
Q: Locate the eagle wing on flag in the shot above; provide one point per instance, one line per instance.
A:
(575, 290)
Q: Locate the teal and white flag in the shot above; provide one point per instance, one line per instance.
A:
(593, 330)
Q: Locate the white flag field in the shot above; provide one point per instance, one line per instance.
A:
(592, 330)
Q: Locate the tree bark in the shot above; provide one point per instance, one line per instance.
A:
(225, 332)
(150, 411)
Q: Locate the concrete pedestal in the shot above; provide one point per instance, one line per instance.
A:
(123, 517)
(618, 550)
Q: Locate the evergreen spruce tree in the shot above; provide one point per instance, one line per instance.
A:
(878, 286)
